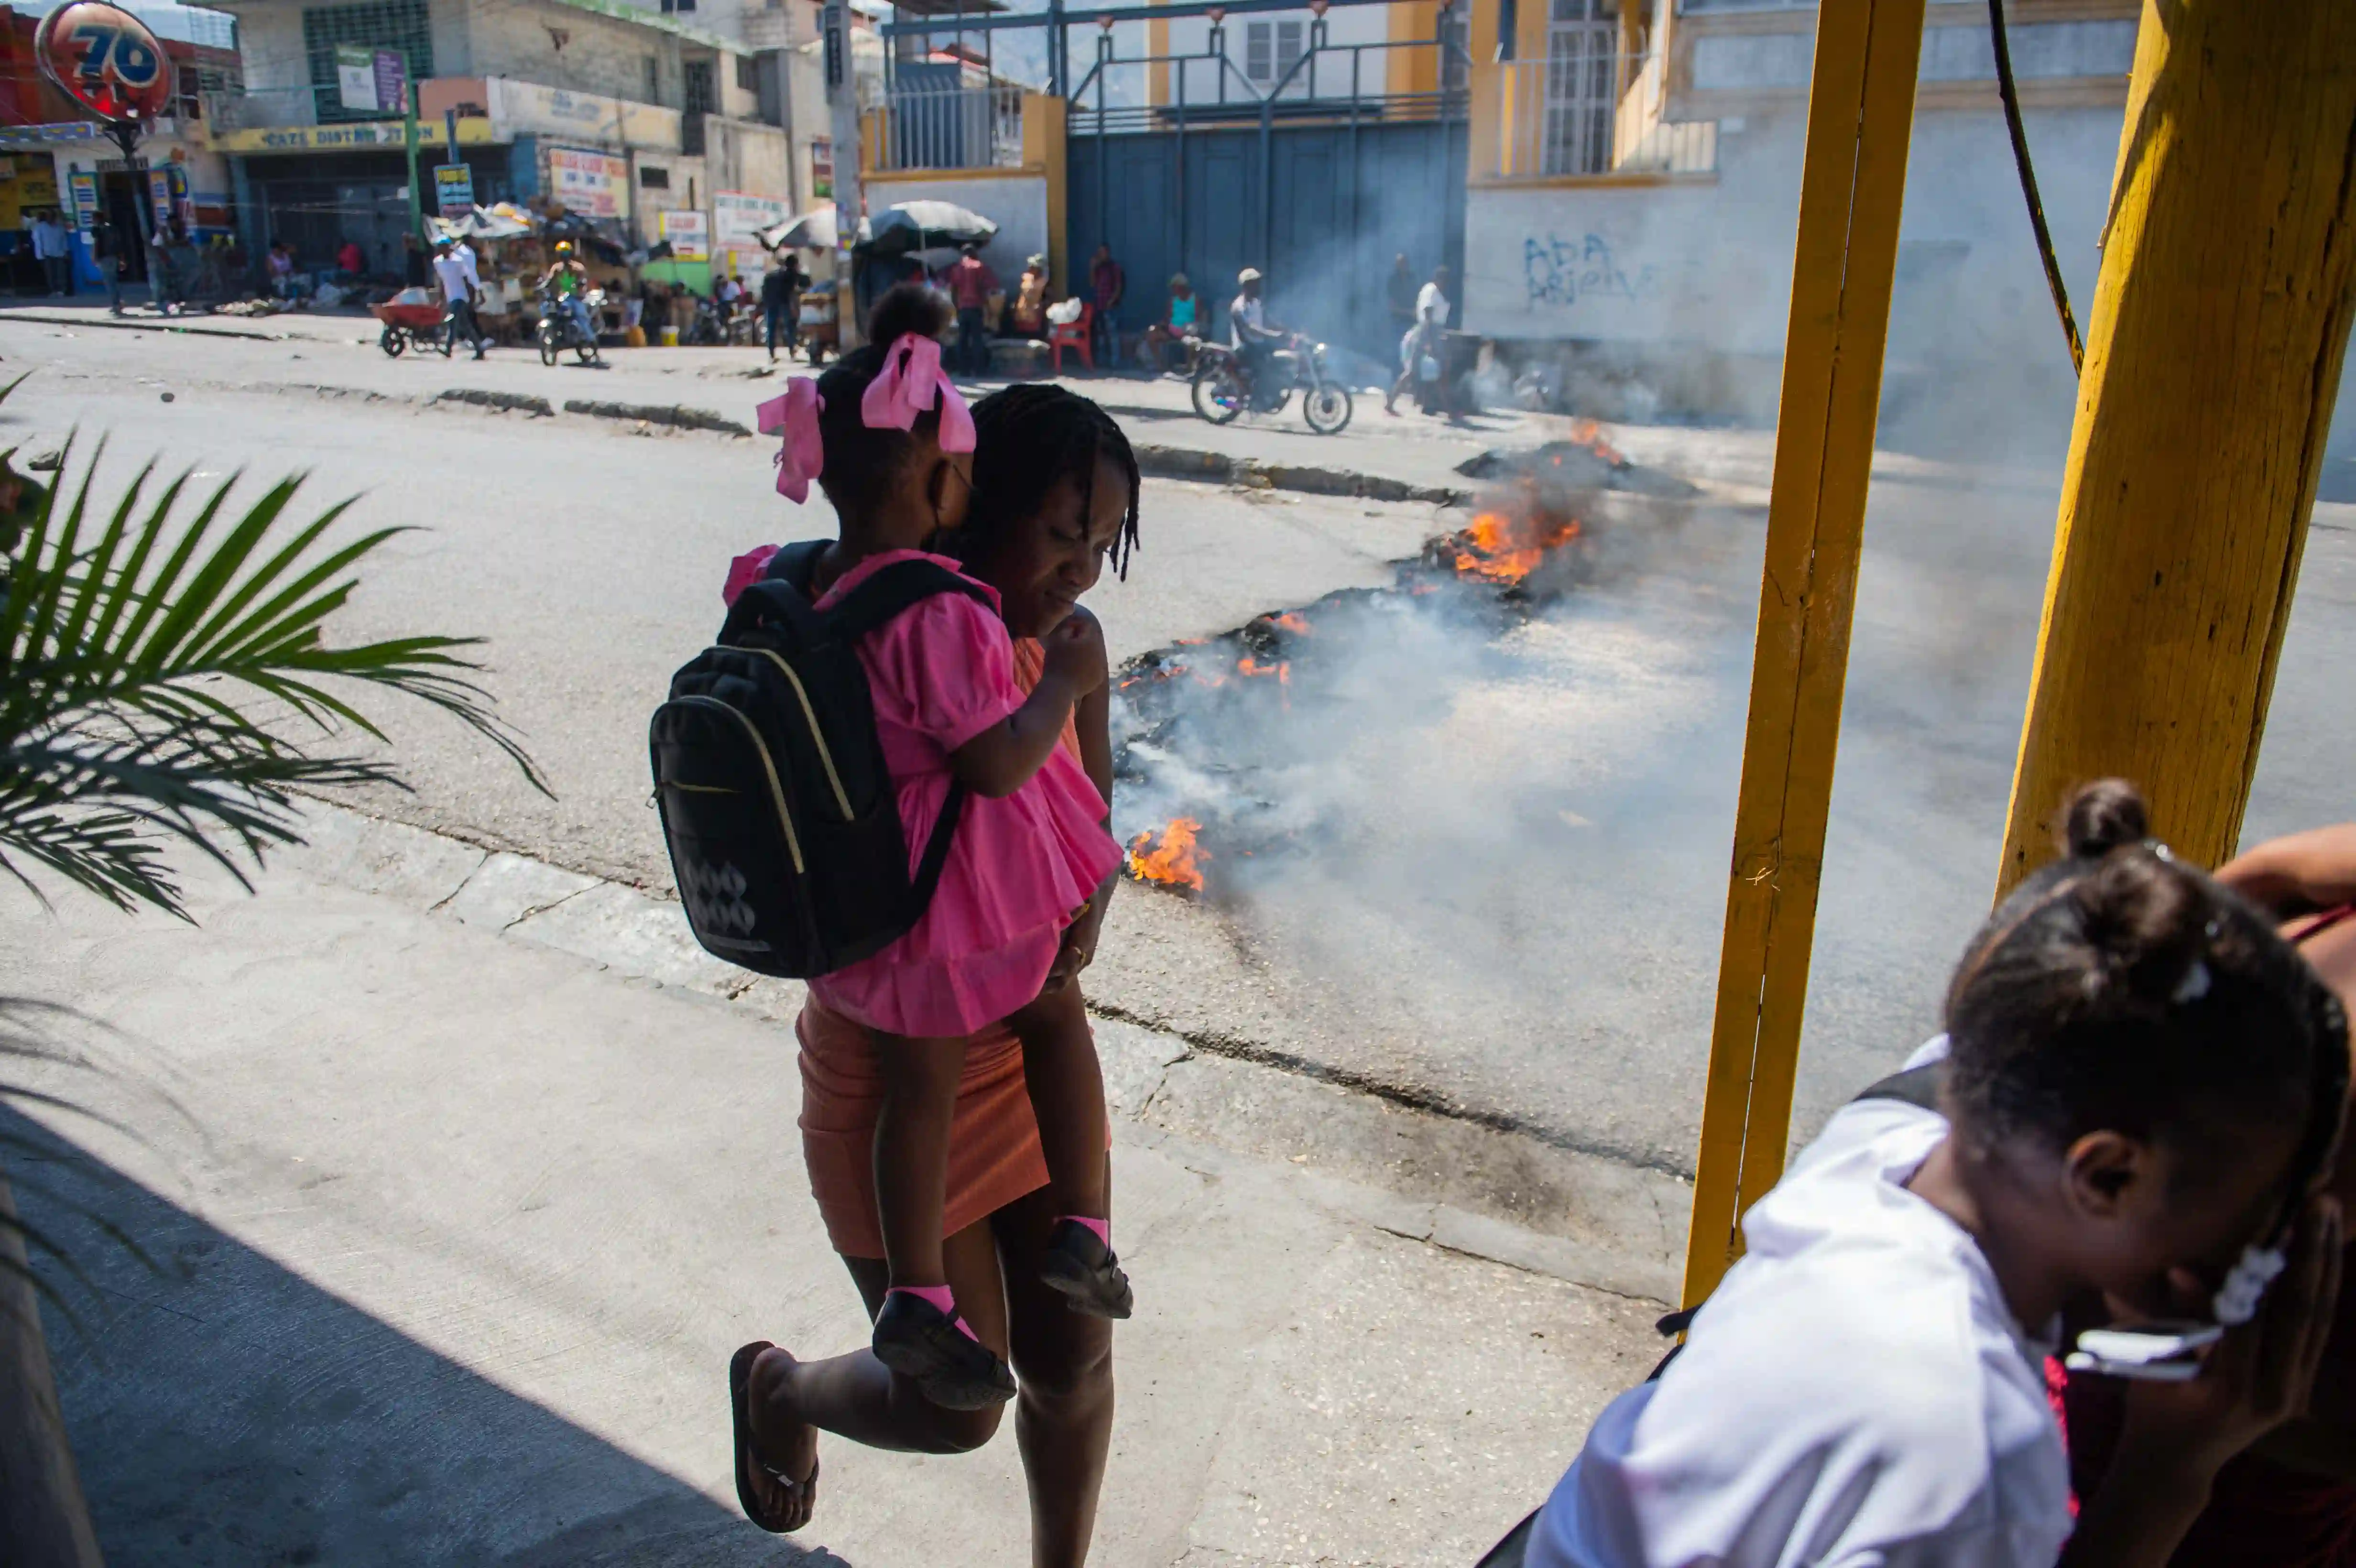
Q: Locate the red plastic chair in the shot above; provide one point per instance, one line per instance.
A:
(1072, 335)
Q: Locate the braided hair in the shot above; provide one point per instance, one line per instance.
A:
(1027, 438)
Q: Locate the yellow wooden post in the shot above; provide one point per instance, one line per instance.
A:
(1860, 116)
(2212, 361)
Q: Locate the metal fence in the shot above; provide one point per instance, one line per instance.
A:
(955, 128)
(263, 109)
(1582, 112)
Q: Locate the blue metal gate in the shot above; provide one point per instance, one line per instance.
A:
(1320, 192)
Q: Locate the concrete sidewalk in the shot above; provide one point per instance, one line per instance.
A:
(456, 1229)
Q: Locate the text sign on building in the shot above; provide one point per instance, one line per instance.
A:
(356, 77)
(84, 184)
(821, 156)
(453, 190)
(391, 81)
(595, 185)
(105, 60)
(737, 217)
(689, 236)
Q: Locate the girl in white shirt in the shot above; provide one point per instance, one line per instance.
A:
(2143, 1081)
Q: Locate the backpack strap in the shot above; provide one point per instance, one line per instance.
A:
(897, 588)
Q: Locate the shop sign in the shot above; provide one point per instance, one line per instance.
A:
(105, 60)
(528, 108)
(453, 190)
(736, 217)
(595, 185)
(375, 81)
(84, 185)
(689, 236)
(359, 137)
(42, 135)
(821, 152)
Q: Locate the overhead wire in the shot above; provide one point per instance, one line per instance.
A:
(2011, 96)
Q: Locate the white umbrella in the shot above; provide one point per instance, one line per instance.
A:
(813, 231)
(907, 226)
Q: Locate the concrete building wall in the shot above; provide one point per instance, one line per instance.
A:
(1701, 269)
(598, 54)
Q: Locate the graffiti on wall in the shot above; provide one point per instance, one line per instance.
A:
(1559, 272)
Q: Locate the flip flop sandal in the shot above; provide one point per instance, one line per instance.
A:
(740, 1379)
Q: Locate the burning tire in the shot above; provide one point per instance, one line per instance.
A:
(1327, 407)
(1219, 392)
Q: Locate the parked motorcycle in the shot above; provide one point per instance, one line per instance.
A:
(1224, 385)
(558, 330)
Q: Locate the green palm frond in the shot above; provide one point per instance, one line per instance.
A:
(165, 675)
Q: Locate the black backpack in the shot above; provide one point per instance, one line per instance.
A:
(783, 823)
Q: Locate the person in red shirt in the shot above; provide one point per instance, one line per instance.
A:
(350, 261)
(1107, 282)
(971, 282)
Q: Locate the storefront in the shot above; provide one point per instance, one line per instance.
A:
(315, 186)
(74, 168)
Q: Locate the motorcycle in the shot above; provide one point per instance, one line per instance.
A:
(558, 330)
(1224, 385)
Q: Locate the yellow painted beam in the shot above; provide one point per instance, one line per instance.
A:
(1044, 122)
(1852, 187)
(2213, 361)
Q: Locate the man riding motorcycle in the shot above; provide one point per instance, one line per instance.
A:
(570, 279)
(1255, 336)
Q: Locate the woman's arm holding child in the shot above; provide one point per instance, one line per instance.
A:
(1005, 757)
(1094, 721)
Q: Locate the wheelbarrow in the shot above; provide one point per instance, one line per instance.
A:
(407, 325)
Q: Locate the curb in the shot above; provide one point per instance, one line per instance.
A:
(1219, 468)
(511, 402)
(1336, 1146)
(116, 324)
(675, 415)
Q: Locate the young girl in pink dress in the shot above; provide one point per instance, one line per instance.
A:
(890, 440)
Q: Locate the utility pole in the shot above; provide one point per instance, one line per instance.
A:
(843, 105)
(409, 137)
(2212, 361)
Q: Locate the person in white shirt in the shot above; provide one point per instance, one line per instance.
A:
(49, 248)
(2143, 1087)
(462, 289)
(1423, 337)
(1254, 336)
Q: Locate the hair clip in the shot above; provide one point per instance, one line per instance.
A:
(2161, 850)
(2194, 985)
(2237, 1300)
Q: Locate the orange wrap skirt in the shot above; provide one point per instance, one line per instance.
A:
(994, 1157)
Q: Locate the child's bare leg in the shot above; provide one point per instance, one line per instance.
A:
(918, 1331)
(911, 1151)
(1067, 1086)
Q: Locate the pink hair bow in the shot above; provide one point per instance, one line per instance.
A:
(794, 413)
(910, 378)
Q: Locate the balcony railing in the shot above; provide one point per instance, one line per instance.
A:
(958, 128)
(1586, 115)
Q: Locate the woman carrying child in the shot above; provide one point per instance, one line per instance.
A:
(953, 1117)
(2143, 1087)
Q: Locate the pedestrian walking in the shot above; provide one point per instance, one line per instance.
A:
(1398, 295)
(971, 282)
(163, 271)
(106, 250)
(1106, 285)
(461, 290)
(51, 250)
(1055, 495)
(1422, 339)
(781, 289)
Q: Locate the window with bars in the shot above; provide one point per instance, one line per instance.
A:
(747, 79)
(1456, 43)
(1582, 86)
(654, 79)
(702, 92)
(397, 25)
(1270, 49)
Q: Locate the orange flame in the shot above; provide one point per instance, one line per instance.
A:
(1505, 549)
(1281, 669)
(1173, 861)
(1590, 435)
(1291, 622)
